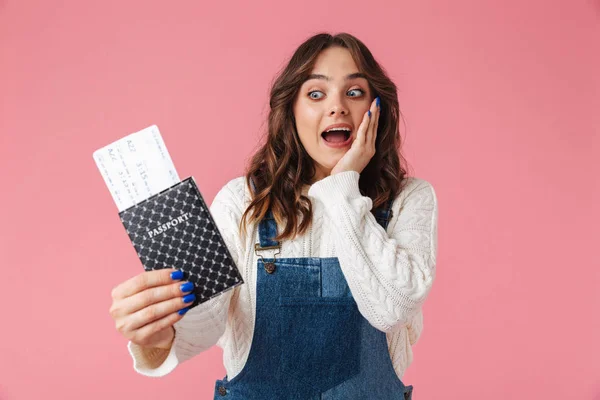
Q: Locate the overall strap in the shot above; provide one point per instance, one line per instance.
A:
(267, 227)
(384, 214)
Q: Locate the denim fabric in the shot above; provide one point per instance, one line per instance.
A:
(267, 230)
(310, 341)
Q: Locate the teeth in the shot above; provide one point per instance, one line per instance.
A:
(338, 129)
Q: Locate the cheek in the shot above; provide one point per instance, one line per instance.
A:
(307, 120)
(359, 113)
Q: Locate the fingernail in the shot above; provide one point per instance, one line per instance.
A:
(189, 298)
(377, 101)
(369, 113)
(187, 287)
(176, 275)
(183, 311)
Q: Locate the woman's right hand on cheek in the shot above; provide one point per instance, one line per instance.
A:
(146, 306)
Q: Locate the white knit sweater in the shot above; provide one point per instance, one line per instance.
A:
(389, 274)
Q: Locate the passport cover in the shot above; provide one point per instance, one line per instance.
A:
(174, 229)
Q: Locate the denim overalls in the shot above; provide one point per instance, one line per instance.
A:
(310, 341)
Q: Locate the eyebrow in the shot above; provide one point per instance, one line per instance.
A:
(326, 78)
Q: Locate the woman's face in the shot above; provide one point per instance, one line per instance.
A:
(335, 93)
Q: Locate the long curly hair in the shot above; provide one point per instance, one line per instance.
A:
(281, 167)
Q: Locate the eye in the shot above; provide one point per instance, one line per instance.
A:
(317, 94)
(356, 90)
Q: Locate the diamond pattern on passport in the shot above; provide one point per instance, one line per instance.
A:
(174, 229)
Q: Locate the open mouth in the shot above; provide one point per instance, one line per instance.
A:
(336, 136)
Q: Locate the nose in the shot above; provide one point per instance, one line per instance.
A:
(340, 111)
(338, 106)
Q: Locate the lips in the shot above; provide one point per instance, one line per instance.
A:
(340, 125)
(337, 138)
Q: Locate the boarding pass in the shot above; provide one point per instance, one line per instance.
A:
(136, 167)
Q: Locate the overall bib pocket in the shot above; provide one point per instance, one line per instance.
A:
(321, 336)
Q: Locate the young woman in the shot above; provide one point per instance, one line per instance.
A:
(336, 244)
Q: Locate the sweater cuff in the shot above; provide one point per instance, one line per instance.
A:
(344, 184)
(152, 362)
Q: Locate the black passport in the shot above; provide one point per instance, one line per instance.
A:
(174, 229)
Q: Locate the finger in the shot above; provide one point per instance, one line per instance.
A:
(369, 131)
(360, 134)
(143, 281)
(376, 124)
(150, 329)
(150, 296)
(154, 312)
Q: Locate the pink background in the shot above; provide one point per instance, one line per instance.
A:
(501, 102)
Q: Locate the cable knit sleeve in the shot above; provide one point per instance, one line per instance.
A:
(389, 276)
(203, 325)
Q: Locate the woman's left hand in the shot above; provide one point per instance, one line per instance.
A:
(363, 146)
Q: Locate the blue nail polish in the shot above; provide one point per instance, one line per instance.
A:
(369, 113)
(183, 311)
(189, 298)
(187, 287)
(377, 101)
(176, 275)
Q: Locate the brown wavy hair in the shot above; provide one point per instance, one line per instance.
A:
(281, 167)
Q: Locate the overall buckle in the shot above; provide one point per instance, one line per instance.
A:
(269, 266)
